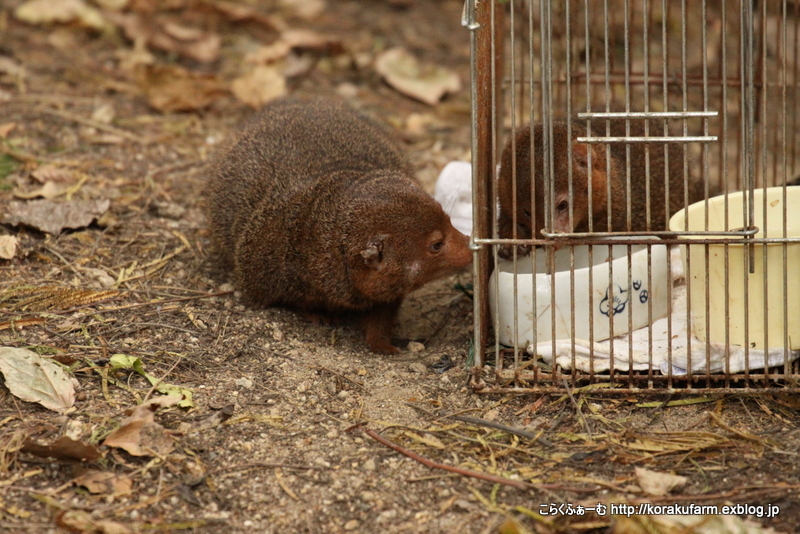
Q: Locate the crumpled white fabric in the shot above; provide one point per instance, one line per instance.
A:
(454, 192)
(632, 351)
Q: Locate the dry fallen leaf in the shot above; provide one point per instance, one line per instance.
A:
(654, 483)
(6, 129)
(307, 9)
(33, 378)
(305, 40)
(11, 67)
(297, 40)
(114, 5)
(259, 86)
(269, 53)
(685, 524)
(81, 521)
(51, 173)
(64, 448)
(172, 88)
(139, 434)
(49, 190)
(8, 246)
(427, 83)
(239, 13)
(104, 482)
(104, 113)
(214, 420)
(63, 11)
(192, 43)
(53, 217)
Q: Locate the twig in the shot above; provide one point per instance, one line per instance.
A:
(95, 124)
(139, 305)
(436, 465)
(282, 483)
(68, 264)
(164, 325)
(547, 488)
(483, 422)
(16, 154)
(504, 428)
(268, 465)
(334, 373)
(160, 380)
(581, 418)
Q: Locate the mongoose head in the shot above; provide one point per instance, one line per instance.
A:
(582, 175)
(588, 166)
(402, 240)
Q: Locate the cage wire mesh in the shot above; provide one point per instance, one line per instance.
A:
(641, 109)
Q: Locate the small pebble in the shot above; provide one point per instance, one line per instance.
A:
(417, 367)
(351, 525)
(415, 347)
(244, 383)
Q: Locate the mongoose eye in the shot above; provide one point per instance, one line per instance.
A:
(527, 213)
(437, 246)
(563, 206)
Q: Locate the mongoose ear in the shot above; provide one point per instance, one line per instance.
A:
(580, 153)
(373, 252)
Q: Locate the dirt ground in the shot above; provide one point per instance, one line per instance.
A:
(276, 439)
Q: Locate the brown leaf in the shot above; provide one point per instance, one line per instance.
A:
(49, 190)
(139, 434)
(34, 378)
(64, 448)
(239, 13)
(297, 40)
(51, 173)
(6, 129)
(63, 11)
(307, 9)
(53, 217)
(310, 40)
(11, 67)
(114, 5)
(104, 482)
(80, 521)
(214, 420)
(269, 53)
(172, 88)
(192, 43)
(655, 483)
(427, 83)
(182, 33)
(259, 86)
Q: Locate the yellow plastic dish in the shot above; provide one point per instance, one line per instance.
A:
(763, 296)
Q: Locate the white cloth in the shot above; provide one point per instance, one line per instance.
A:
(454, 192)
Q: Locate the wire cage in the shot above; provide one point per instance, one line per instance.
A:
(663, 140)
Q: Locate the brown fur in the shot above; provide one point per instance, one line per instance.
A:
(659, 215)
(315, 209)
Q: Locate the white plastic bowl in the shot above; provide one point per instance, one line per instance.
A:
(764, 303)
(626, 305)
